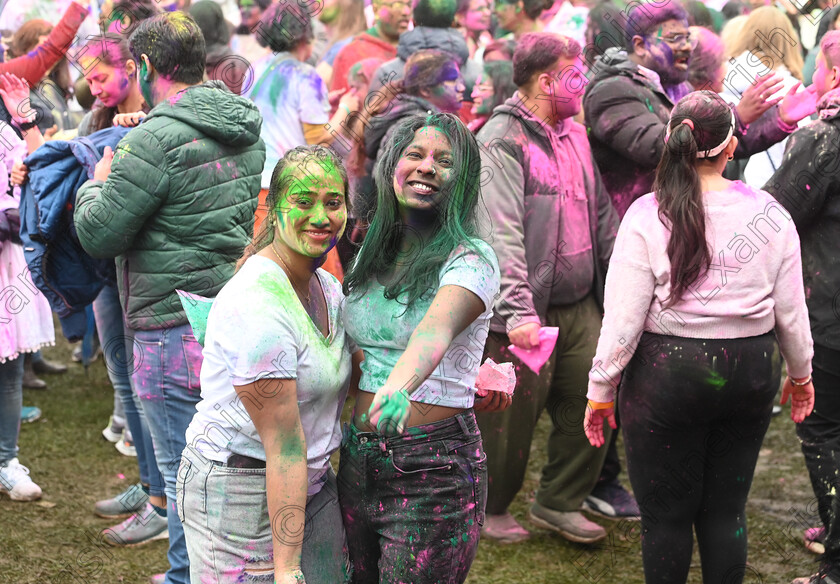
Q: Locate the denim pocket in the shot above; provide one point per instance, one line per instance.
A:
(419, 459)
(193, 358)
(472, 455)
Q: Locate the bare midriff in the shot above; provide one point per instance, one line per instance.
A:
(420, 413)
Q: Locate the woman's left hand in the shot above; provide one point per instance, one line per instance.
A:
(494, 401)
(801, 399)
(593, 421)
(389, 411)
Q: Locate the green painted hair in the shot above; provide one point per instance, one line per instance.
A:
(455, 218)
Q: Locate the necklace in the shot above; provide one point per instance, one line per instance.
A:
(289, 273)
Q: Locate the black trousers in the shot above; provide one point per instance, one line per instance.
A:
(819, 434)
(694, 413)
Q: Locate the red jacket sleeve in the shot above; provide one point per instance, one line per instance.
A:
(33, 66)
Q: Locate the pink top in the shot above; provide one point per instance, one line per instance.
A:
(753, 285)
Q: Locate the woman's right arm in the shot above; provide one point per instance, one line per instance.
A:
(272, 405)
(33, 66)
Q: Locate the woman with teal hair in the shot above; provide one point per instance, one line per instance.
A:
(412, 476)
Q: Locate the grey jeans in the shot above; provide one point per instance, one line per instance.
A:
(224, 511)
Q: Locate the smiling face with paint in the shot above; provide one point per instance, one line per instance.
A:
(312, 214)
(666, 50)
(424, 167)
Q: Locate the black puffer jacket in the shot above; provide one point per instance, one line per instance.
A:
(626, 116)
(808, 185)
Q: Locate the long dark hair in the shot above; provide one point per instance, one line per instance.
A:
(281, 181)
(455, 218)
(677, 184)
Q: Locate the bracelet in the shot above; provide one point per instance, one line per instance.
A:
(800, 383)
(600, 405)
(24, 125)
(346, 108)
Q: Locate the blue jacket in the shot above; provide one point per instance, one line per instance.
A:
(69, 277)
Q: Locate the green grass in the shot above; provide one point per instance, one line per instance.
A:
(55, 540)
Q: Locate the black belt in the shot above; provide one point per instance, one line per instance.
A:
(241, 461)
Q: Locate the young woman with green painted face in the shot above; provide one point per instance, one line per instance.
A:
(257, 491)
(420, 293)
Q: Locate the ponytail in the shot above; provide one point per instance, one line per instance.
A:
(680, 198)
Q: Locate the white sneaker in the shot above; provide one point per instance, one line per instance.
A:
(115, 428)
(15, 481)
(125, 445)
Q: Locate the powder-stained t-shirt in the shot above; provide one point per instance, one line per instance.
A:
(383, 327)
(289, 93)
(257, 329)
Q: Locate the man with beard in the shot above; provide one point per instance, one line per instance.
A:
(630, 98)
(628, 102)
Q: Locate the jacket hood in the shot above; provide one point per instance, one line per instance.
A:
(403, 106)
(828, 107)
(214, 111)
(425, 37)
(516, 108)
(613, 62)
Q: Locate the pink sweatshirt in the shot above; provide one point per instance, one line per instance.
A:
(753, 285)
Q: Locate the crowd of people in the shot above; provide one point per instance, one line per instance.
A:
(258, 211)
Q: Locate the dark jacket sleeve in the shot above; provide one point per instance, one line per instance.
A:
(607, 226)
(619, 116)
(767, 130)
(809, 172)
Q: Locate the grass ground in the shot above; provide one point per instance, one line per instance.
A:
(55, 540)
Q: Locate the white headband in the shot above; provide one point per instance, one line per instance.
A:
(713, 151)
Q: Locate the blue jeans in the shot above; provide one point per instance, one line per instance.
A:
(112, 338)
(413, 505)
(167, 365)
(11, 401)
(229, 531)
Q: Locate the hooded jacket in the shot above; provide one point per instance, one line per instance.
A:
(69, 278)
(524, 193)
(807, 184)
(449, 40)
(178, 208)
(626, 114)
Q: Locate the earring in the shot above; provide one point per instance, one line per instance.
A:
(730, 157)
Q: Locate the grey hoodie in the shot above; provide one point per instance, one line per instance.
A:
(543, 184)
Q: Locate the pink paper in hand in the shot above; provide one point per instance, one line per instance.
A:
(494, 376)
(536, 358)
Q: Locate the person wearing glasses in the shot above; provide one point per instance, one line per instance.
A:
(473, 18)
(632, 92)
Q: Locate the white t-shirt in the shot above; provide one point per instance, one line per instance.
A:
(379, 327)
(258, 329)
(289, 93)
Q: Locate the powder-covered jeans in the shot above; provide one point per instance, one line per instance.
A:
(112, 338)
(167, 368)
(224, 511)
(11, 401)
(413, 505)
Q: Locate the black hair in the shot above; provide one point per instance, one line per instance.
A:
(642, 19)
(677, 184)
(538, 52)
(282, 27)
(174, 44)
(435, 13)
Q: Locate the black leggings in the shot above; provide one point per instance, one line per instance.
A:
(694, 413)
